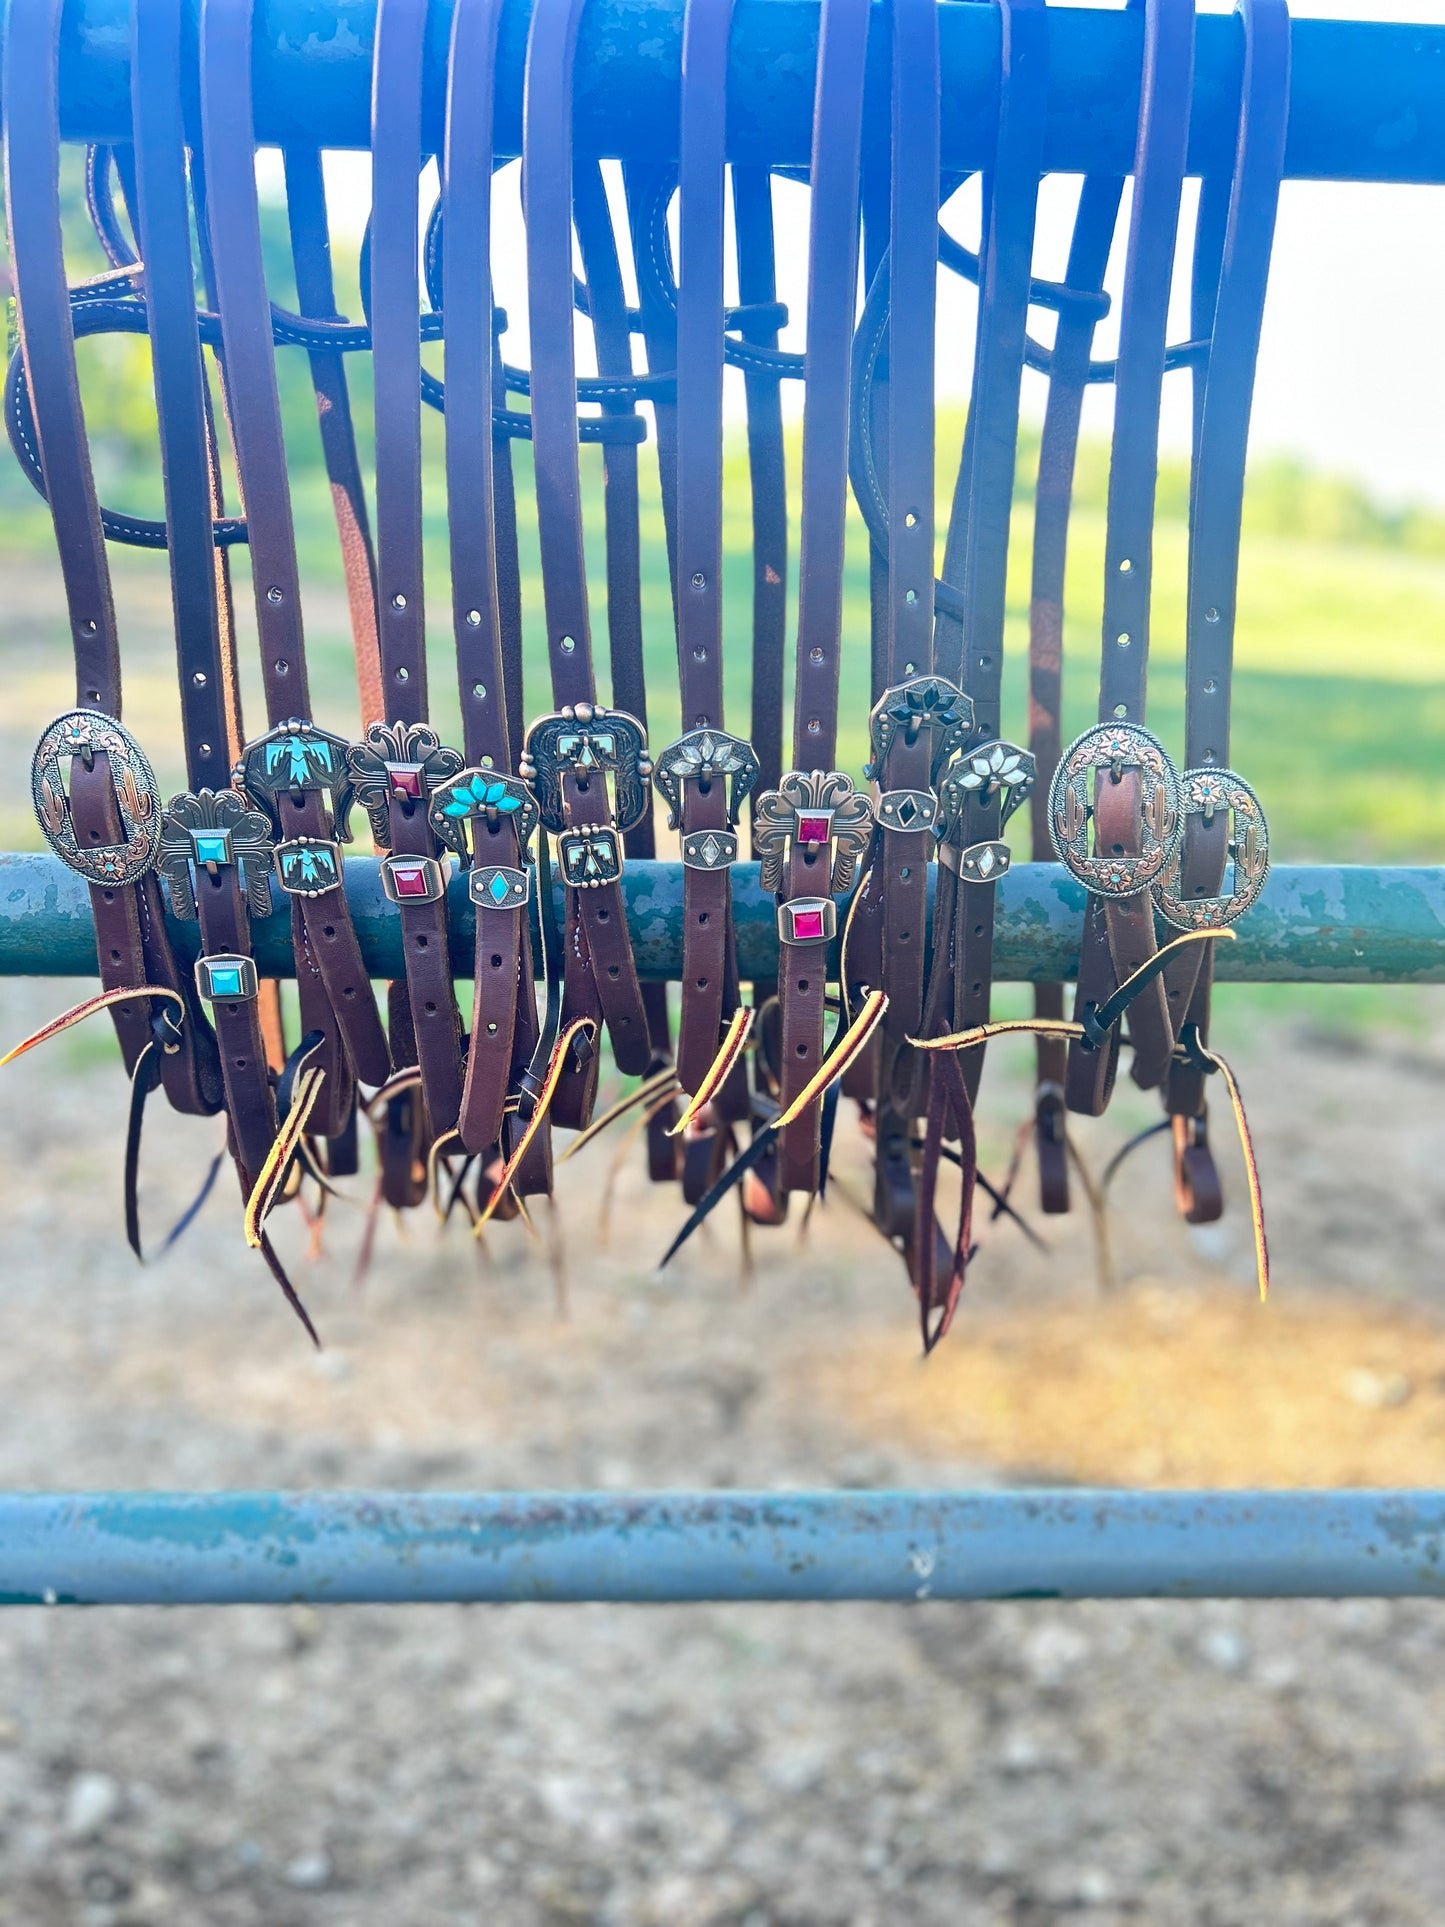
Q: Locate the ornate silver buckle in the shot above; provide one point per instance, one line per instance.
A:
(1205, 793)
(1111, 748)
(404, 760)
(701, 757)
(819, 810)
(211, 830)
(87, 733)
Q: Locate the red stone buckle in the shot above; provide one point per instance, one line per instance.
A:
(413, 879)
(808, 920)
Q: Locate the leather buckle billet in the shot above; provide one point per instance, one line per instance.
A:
(308, 866)
(215, 830)
(807, 920)
(226, 979)
(87, 733)
(590, 856)
(497, 886)
(413, 879)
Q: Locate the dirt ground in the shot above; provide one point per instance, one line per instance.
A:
(831, 1766)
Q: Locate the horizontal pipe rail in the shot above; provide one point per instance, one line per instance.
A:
(1314, 924)
(233, 1548)
(1367, 96)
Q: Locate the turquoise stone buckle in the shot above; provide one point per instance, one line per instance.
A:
(496, 886)
(227, 980)
(212, 848)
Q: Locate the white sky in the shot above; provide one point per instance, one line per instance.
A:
(1350, 373)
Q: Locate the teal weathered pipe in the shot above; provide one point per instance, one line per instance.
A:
(1318, 923)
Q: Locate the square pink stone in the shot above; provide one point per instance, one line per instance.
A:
(814, 829)
(409, 880)
(405, 778)
(807, 923)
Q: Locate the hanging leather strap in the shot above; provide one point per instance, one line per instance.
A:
(1119, 931)
(1225, 395)
(502, 973)
(336, 992)
(811, 869)
(969, 645)
(1094, 225)
(718, 770)
(601, 974)
(131, 942)
(396, 358)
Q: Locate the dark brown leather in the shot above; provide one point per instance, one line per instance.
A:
(832, 283)
(502, 971)
(131, 941)
(1128, 559)
(1094, 225)
(601, 976)
(396, 362)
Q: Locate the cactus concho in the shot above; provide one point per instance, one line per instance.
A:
(87, 733)
(1206, 793)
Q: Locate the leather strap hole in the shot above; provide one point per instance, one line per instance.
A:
(421, 942)
(803, 983)
(612, 970)
(238, 1062)
(802, 1050)
(430, 1009)
(115, 956)
(702, 983)
(329, 931)
(496, 963)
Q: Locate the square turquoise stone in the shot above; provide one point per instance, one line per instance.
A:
(213, 847)
(225, 980)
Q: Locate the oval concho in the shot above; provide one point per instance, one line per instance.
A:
(81, 732)
(1115, 747)
(1203, 792)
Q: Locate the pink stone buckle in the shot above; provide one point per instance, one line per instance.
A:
(808, 920)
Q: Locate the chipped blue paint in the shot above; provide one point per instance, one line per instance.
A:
(230, 1548)
(1317, 924)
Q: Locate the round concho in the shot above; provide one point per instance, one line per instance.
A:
(82, 732)
(1110, 749)
(1202, 792)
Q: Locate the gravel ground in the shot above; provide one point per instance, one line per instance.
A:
(832, 1766)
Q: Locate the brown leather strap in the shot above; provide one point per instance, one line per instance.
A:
(1094, 224)
(397, 157)
(602, 977)
(336, 994)
(1128, 559)
(499, 977)
(132, 945)
(832, 285)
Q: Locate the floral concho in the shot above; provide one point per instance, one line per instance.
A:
(481, 795)
(1001, 770)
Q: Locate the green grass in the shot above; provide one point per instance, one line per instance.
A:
(1339, 701)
